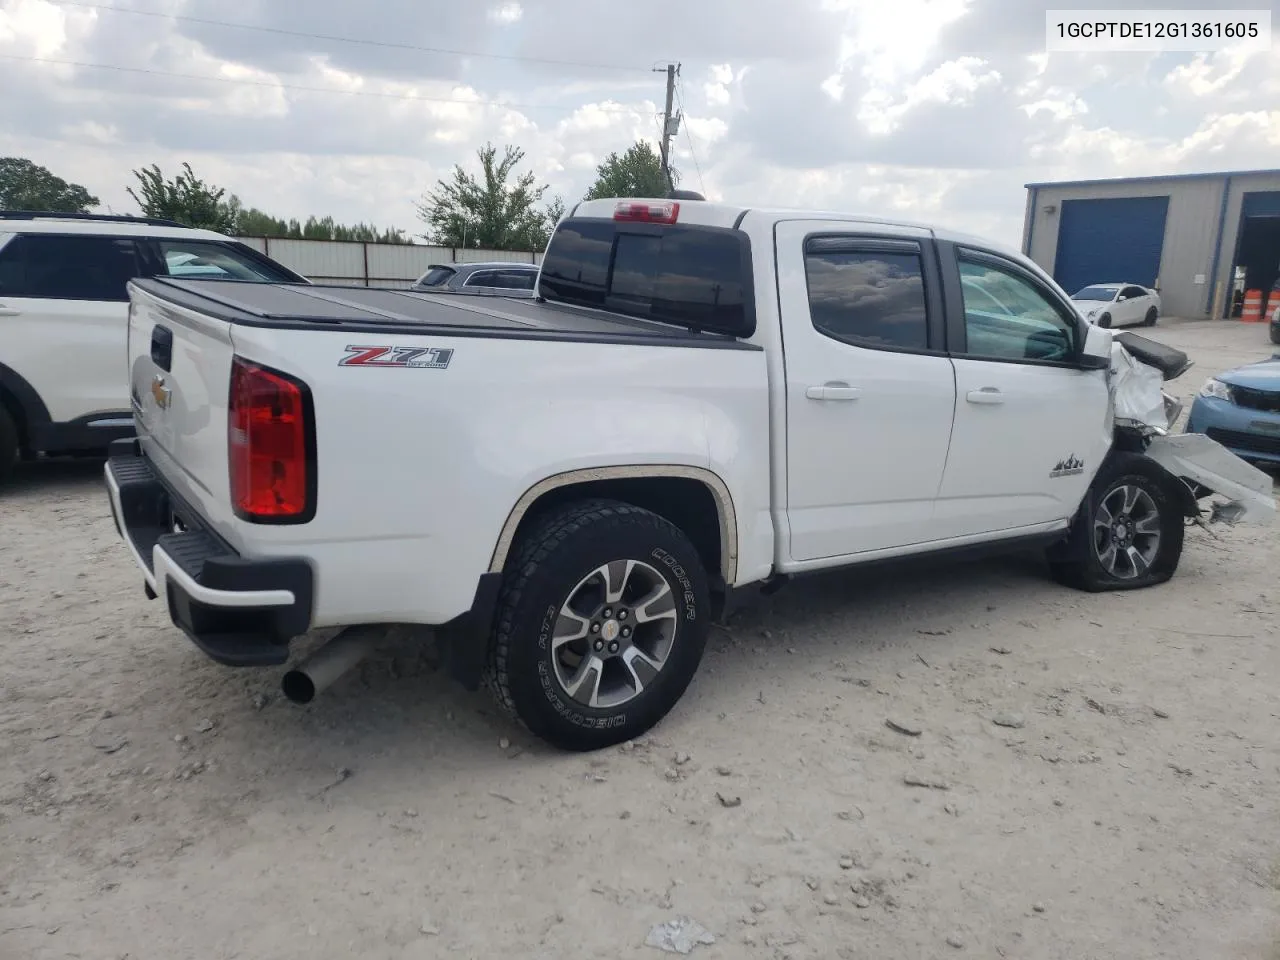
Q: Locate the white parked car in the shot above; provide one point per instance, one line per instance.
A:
(571, 488)
(1118, 304)
(64, 307)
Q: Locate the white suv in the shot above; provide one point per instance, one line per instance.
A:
(64, 308)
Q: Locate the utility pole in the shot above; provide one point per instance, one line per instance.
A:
(670, 124)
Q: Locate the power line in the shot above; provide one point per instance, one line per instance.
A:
(243, 81)
(389, 44)
(689, 136)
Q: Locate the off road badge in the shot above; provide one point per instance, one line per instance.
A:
(1073, 466)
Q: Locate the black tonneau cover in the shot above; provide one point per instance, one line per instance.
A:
(373, 309)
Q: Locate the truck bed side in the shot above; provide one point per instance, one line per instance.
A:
(420, 466)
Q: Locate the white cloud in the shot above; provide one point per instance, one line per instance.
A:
(936, 110)
(1209, 74)
(954, 82)
(33, 26)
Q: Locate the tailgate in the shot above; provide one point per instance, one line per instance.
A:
(179, 384)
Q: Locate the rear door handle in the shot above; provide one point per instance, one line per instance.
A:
(833, 391)
(987, 395)
(9, 311)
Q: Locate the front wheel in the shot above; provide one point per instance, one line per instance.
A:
(601, 624)
(1104, 321)
(1150, 319)
(1128, 533)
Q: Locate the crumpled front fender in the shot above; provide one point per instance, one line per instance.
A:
(1206, 463)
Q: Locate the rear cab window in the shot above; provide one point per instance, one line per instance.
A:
(52, 266)
(691, 276)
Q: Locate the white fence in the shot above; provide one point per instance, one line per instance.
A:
(371, 264)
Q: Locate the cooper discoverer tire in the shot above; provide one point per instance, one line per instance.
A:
(8, 444)
(601, 624)
(1128, 534)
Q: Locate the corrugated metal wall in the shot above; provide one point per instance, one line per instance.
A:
(1191, 230)
(1201, 232)
(371, 264)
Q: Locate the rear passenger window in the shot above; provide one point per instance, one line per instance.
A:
(517, 279)
(694, 276)
(867, 294)
(208, 260)
(53, 267)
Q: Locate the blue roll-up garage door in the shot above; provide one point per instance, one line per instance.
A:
(1110, 241)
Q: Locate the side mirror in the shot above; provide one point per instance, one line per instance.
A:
(1095, 354)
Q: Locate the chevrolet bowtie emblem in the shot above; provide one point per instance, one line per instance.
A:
(162, 394)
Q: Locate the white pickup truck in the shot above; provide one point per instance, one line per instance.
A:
(701, 398)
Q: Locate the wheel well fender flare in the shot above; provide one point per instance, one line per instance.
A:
(601, 476)
(1176, 487)
(22, 400)
(1116, 460)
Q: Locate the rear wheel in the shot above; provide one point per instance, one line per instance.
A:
(601, 624)
(1128, 533)
(1150, 319)
(9, 451)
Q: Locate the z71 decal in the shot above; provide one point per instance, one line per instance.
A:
(422, 358)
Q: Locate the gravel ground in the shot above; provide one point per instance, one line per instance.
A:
(1093, 776)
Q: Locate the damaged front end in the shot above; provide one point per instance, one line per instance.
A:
(1144, 415)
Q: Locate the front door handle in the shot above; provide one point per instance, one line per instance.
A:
(987, 395)
(9, 311)
(833, 391)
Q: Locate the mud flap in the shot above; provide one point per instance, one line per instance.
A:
(1209, 465)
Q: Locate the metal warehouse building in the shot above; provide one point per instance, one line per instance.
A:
(1202, 239)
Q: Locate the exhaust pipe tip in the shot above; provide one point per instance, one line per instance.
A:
(298, 687)
(320, 670)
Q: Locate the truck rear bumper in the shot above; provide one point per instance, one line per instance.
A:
(240, 612)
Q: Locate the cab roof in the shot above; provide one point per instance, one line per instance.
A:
(708, 214)
(16, 221)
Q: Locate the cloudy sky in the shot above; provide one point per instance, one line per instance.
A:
(927, 109)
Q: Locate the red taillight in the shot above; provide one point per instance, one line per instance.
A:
(268, 434)
(643, 211)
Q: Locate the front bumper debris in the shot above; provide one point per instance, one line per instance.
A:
(1206, 463)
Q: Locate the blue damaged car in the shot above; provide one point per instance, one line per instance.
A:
(1241, 410)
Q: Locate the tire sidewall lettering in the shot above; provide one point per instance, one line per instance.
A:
(551, 686)
(688, 598)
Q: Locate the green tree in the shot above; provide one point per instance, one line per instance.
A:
(252, 222)
(492, 211)
(636, 173)
(555, 210)
(28, 186)
(186, 199)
